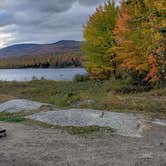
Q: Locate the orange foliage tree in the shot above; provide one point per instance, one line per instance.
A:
(139, 41)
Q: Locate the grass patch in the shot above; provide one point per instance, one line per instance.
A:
(4, 98)
(104, 95)
(8, 117)
(87, 130)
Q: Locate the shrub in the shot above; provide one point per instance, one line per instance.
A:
(81, 78)
(34, 78)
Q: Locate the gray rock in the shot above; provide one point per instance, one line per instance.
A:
(161, 122)
(146, 156)
(19, 105)
(125, 124)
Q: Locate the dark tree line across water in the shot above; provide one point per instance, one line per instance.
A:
(48, 61)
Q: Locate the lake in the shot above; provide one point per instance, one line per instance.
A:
(48, 74)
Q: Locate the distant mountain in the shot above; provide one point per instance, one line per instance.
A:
(21, 50)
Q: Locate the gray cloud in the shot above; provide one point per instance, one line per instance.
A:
(43, 21)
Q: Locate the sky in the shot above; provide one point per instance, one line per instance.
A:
(43, 21)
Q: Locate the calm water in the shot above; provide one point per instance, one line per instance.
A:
(49, 74)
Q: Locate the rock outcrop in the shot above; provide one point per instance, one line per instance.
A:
(18, 105)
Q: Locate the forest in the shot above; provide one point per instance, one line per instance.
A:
(127, 42)
(70, 59)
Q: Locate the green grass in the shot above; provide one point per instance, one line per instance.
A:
(88, 130)
(105, 95)
(8, 117)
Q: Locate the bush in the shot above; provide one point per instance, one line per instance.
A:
(132, 89)
(34, 78)
(125, 86)
(81, 78)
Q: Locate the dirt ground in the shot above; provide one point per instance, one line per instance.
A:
(35, 146)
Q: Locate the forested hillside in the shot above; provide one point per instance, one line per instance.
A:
(64, 53)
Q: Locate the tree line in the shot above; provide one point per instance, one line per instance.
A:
(127, 41)
(73, 59)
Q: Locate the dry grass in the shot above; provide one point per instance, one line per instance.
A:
(97, 95)
(4, 98)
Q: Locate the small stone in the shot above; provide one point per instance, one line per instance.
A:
(146, 156)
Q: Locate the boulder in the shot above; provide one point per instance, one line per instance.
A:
(18, 105)
(124, 123)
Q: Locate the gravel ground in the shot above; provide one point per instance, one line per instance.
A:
(36, 146)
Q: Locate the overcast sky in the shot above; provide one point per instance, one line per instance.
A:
(43, 21)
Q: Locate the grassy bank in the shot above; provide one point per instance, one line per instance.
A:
(107, 95)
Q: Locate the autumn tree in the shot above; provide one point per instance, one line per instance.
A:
(98, 34)
(138, 38)
(157, 52)
(130, 53)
